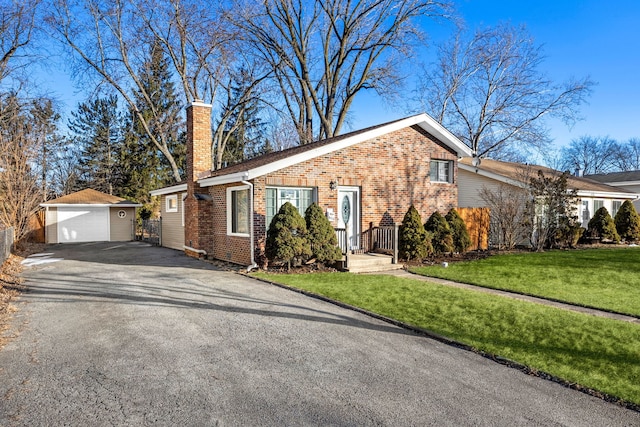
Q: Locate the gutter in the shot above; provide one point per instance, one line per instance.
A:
(251, 236)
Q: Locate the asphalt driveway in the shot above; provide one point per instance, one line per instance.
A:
(125, 334)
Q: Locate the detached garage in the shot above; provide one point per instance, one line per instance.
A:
(89, 216)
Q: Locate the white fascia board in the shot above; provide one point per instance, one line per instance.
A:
(423, 120)
(168, 190)
(90, 205)
(492, 175)
(429, 124)
(225, 179)
(623, 183)
(75, 205)
(607, 195)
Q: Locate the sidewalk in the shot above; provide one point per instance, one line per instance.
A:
(594, 312)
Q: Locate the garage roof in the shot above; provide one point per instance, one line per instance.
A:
(91, 197)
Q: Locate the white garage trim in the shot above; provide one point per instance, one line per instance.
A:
(89, 223)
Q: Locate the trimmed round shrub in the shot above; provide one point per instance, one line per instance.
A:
(321, 235)
(442, 238)
(602, 226)
(287, 236)
(459, 232)
(412, 237)
(627, 222)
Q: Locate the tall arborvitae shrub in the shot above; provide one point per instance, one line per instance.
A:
(627, 222)
(602, 226)
(287, 236)
(412, 238)
(459, 232)
(442, 238)
(321, 235)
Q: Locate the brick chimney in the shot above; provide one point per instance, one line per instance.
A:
(197, 211)
(199, 140)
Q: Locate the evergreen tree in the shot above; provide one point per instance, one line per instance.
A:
(321, 235)
(627, 222)
(146, 168)
(244, 129)
(460, 234)
(287, 236)
(602, 226)
(442, 237)
(98, 129)
(412, 237)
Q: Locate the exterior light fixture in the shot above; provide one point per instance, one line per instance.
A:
(333, 185)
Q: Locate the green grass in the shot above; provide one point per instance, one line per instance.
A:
(601, 278)
(598, 353)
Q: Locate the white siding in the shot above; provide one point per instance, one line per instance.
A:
(172, 228)
(469, 186)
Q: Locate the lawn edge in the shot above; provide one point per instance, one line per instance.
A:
(457, 344)
(591, 307)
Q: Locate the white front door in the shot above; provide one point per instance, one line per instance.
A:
(349, 214)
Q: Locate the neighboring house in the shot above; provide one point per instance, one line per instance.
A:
(370, 176)
(490, 174)
(629, 181)
(89, 216)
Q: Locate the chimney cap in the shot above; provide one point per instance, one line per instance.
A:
(200, 103)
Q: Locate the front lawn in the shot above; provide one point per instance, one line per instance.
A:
(601, 278)
(597, 353)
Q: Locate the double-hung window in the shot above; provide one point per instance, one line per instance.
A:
(597, 204)
(299, 197)
(615, 207)
(238, 210)
(441, 171)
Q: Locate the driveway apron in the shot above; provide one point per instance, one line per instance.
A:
(128, 334)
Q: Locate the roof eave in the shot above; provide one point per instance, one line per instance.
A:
(169, 190)
(423, 120)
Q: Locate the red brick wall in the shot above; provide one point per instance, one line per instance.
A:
(392, 172)
(198, 215)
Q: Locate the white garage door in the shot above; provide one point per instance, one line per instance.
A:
(83, 224)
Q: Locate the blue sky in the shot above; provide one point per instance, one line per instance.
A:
(580, 38)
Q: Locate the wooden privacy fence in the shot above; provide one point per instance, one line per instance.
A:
(477, 221)
(36, 227)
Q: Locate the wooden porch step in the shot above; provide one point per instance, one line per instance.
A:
(367, 263)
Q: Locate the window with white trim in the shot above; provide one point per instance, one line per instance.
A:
(586, 215)
(441, 171)
(299, 197)
(615, 207)
(184, 196)
(238, 210)
(171, 203)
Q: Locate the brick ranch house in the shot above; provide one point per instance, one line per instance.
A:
(370, 176)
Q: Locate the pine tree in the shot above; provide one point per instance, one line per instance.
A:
(287, 236)
(145, 167)
(627, 222)
(442, 237)
(321, 235)
(460, 234)
(98, 130)
(243, 129)
(602, 226)
(412, 237)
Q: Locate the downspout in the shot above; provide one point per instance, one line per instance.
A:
(251, 245)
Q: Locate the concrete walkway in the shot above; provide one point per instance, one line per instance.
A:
(571, 307)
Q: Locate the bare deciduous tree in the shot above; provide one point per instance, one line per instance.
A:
(589, 155)
(112, 41)
(17, 24)
(20, 148)
(508, 207)
(490, 91)
(324, 53)
(626, 156)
